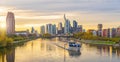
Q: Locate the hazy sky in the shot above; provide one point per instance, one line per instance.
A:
(40, 12)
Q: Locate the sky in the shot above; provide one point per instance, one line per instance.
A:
(35, 13)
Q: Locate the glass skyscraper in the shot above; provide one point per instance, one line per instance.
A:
(66, 25)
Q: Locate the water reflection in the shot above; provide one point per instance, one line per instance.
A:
(10, 57)
(42, 50)
(7, 54)
(74, 53)
(105, 50)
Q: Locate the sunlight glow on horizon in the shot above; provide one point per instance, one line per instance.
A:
(3, 25)
(25, 19)
(2, 9)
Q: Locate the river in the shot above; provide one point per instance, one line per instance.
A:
(43, 50)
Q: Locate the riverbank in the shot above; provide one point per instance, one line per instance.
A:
(14, 43)
(98, 42)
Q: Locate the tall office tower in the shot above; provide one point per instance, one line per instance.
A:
(46, 29)
(66, 26)
(100, 26)
(49, 28)
(74, 28)
(54, 29)
(42, 30)
(10, 23)
(60, 31)
(60, 26)
(32, 30)
(75, 24)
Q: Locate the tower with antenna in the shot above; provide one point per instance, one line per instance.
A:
(66, 25)
(65, 17)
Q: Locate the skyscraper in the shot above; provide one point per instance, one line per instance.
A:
(49, 28)
(54, 29)
(32, 30)
(60, 26)
(42, 30)
(66, 26)
(75, 24)
(46, 29)
(100, 26)
(10, 23)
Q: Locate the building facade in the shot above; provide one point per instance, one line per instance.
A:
(10, 23)
(100, 26)
(42, 30)
(66, 26)
(60, 30)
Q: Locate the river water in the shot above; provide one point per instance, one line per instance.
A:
(43, 50)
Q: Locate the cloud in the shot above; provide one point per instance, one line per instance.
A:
(65, 5)
(44, 11)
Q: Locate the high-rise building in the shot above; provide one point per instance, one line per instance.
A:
(118, 31)
(105, 32)
(74, 28)
(100, 26)
(75, 24)
(51, 29)
(79, 28)
(109, 33)
(10, 23)
(66, 26)
(114, 32)
(46, 29)
(60, 30)
(32, 30)
(60, 26)
(54, 29)
(42, 30)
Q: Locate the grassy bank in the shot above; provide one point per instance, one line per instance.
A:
(97, 42)
(6, 41)
(96, 39)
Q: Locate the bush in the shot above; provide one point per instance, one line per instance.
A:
(47, 35)
(89, 36)
(4, 41)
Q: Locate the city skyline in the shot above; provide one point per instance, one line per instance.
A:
(85, 13)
